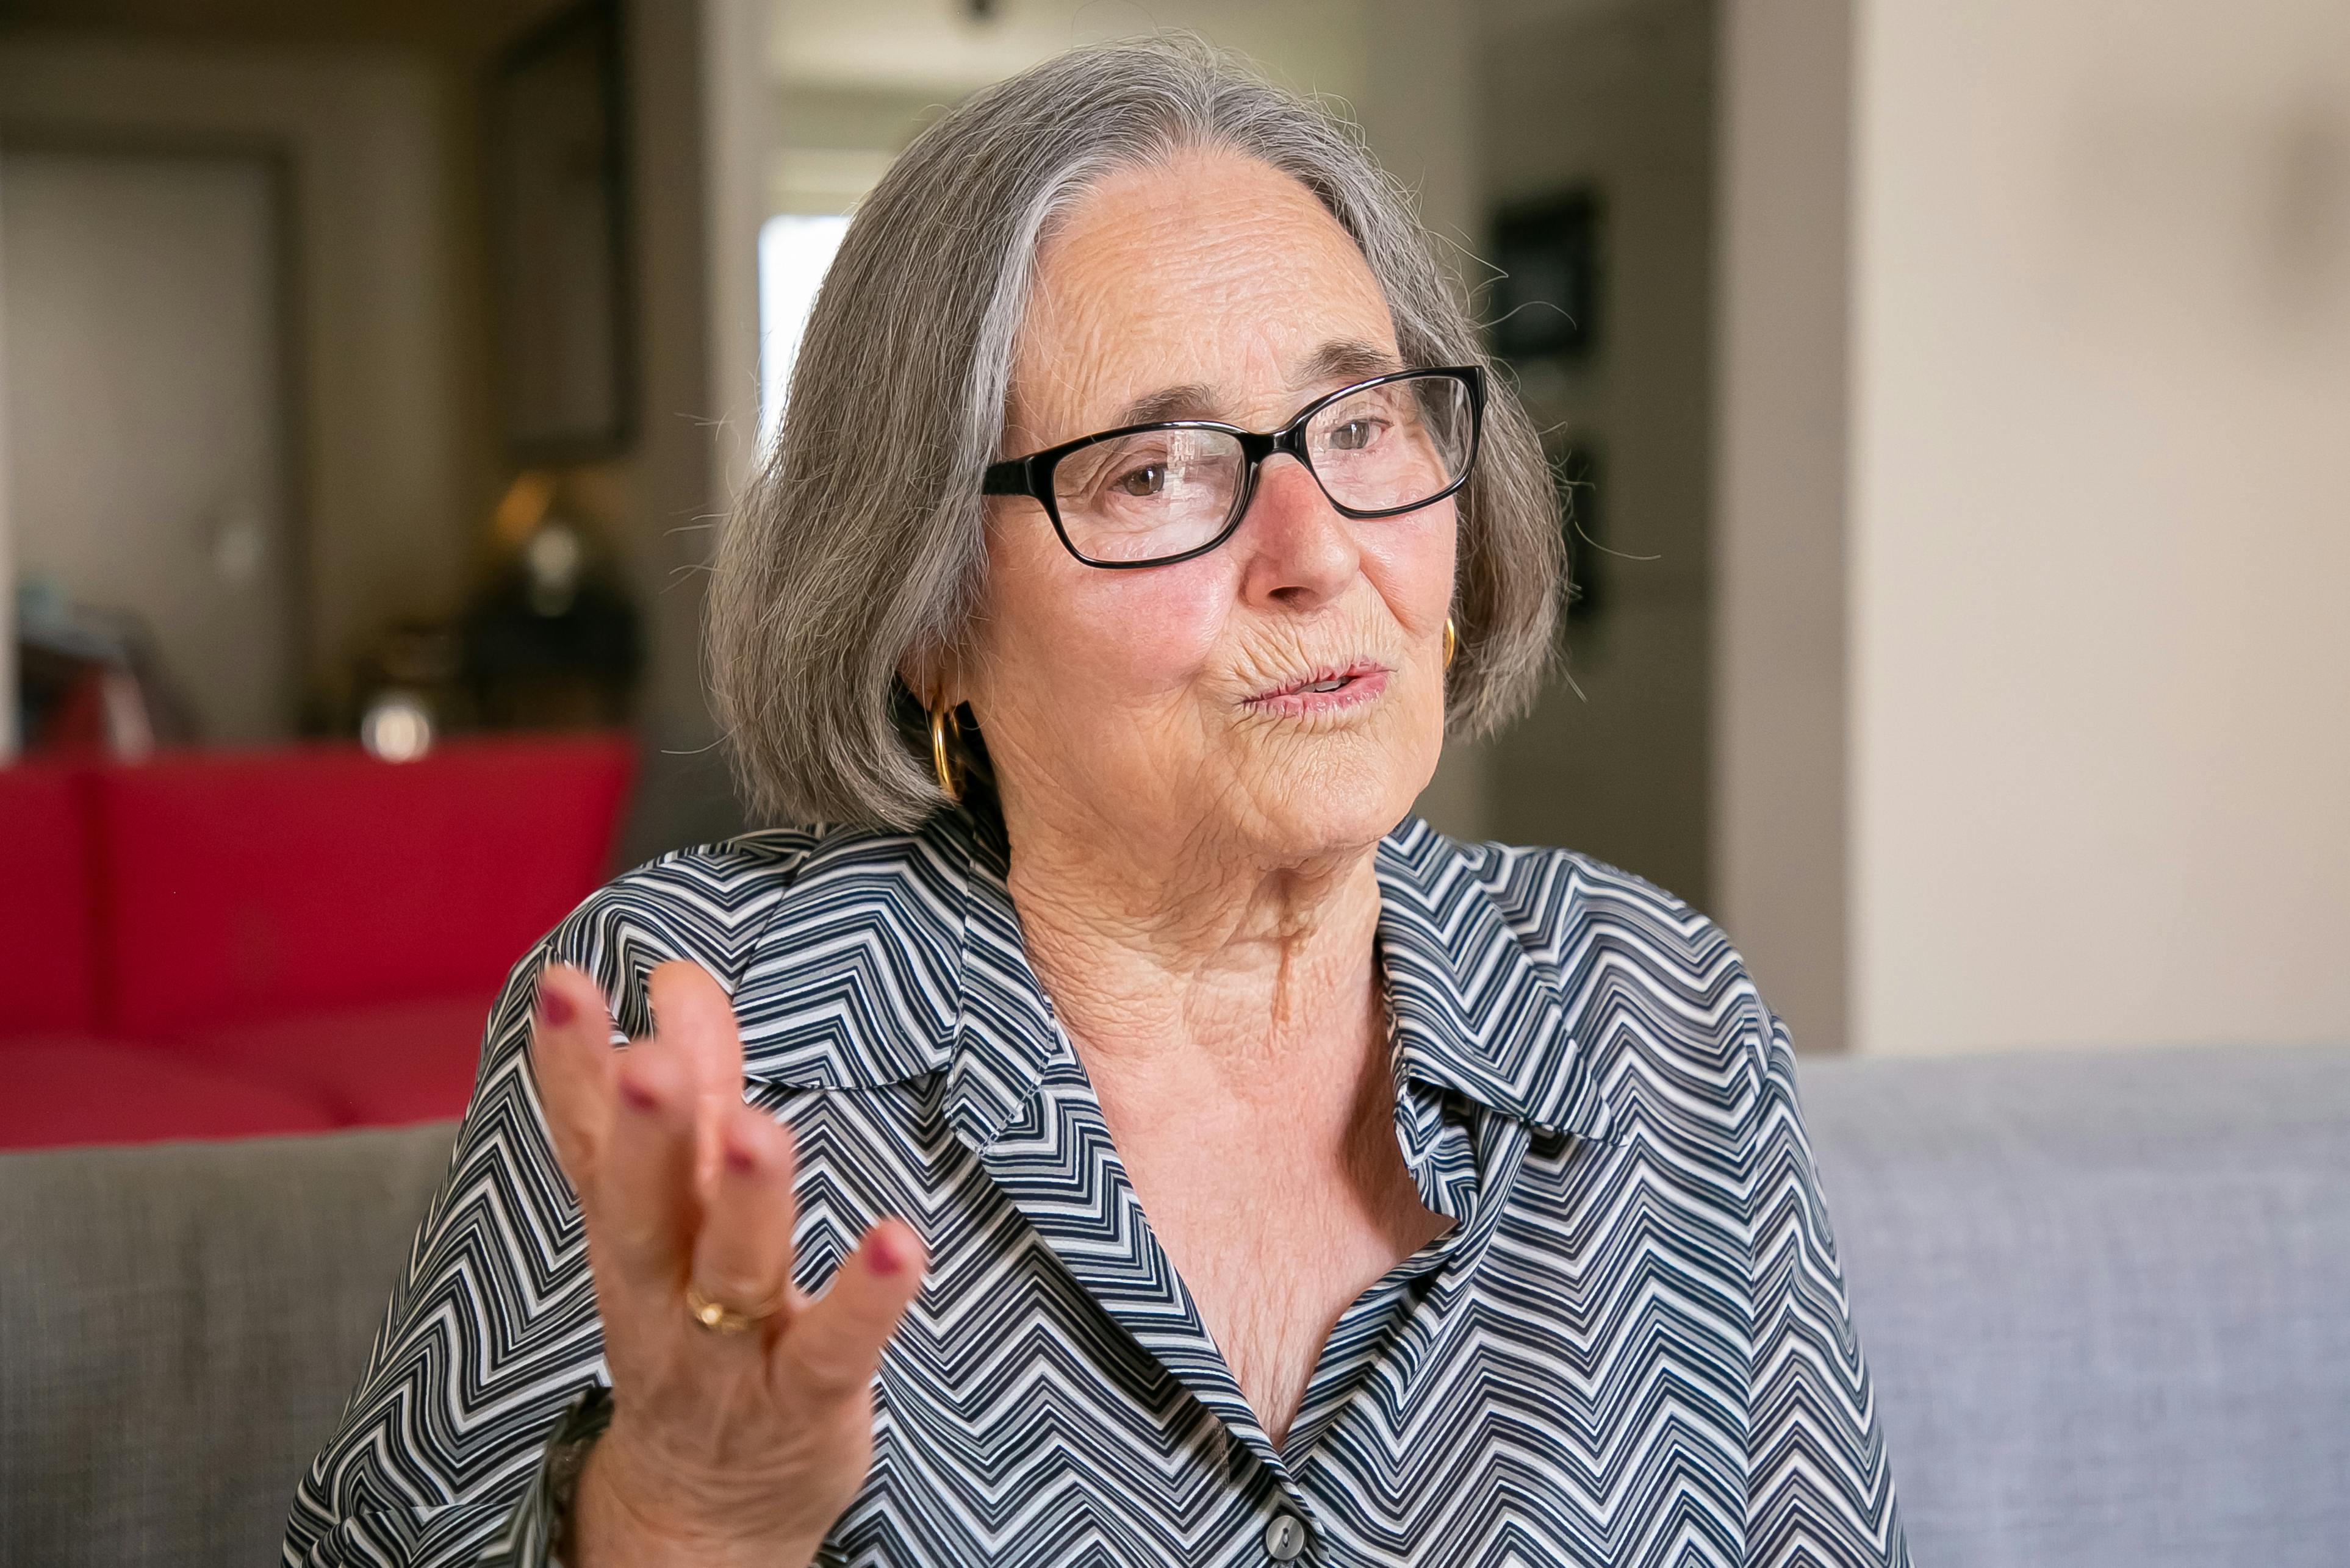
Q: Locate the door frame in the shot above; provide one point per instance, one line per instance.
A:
(274, 157)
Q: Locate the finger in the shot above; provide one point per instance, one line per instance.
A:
(743, 1255)
(571, 1059)
(693, 1015)
(645, 1204)
(834, 1344)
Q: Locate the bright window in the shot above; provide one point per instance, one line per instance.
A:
(794, 253)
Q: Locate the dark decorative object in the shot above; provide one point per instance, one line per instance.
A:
(1545, 304)
(552, 642)
(562, 287)
(1575, 471)
(90, 682)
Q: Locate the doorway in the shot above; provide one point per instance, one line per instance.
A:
(144, 338)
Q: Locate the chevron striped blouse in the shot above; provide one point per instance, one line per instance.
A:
(1630, 1346)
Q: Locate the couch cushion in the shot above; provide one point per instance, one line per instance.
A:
(373, 1066)
(62, 1091)
(49, 912)
(2103, 1299)
(179, 1326)
(245, 886)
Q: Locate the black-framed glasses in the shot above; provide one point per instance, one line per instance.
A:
(1150, 495)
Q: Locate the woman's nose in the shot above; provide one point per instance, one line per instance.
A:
(1300, 550)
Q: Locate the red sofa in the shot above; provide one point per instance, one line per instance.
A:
(231, 943)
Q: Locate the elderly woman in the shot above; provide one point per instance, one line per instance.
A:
(1118, 1132)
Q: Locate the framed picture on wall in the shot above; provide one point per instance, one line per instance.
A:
(1546, 302)
(562, 293)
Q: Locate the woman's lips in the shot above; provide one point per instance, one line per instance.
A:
(1328, 692)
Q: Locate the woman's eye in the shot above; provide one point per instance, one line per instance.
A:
(1147, 480)
(1354, 435)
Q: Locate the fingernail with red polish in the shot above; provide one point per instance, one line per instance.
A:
(636, 1093)
(739, 1160)
(885, 1257)
(553, 1005)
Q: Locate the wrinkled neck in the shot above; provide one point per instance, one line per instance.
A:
(1214, 953)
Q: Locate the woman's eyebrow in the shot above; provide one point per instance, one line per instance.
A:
(1190, 400)
(1344, 359)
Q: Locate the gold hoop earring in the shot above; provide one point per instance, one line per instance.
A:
(1452, 642)
(942, 716)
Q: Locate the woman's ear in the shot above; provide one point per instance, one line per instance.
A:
(933, 676)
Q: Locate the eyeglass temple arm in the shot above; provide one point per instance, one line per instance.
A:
(1009, 477)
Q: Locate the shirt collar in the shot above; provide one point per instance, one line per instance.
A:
(1477, 1008)
(892, 957)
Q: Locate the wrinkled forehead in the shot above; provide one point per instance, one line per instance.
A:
(1208, 286)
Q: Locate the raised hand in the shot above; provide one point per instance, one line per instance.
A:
(742, 1413)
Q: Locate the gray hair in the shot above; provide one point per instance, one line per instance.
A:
(861, 545)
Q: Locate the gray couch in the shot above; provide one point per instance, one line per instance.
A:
(2106, 1298)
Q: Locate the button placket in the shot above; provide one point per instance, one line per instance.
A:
(1285, 1537)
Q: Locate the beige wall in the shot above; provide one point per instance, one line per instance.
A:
(2034, 677)
(741, 138)
(2100, 699)
(1780, 836)
(386, 533)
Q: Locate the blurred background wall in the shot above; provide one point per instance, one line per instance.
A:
(2035, 678)
(2100, 660)
(1617, 101)
(1944, 400)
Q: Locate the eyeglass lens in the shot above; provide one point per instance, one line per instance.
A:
(1168, 491)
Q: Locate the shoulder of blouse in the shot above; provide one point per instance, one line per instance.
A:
(1650, 983)
(706, 903)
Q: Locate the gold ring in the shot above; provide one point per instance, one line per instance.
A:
(717, 1317)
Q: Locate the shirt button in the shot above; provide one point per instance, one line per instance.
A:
(1285, 1538)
